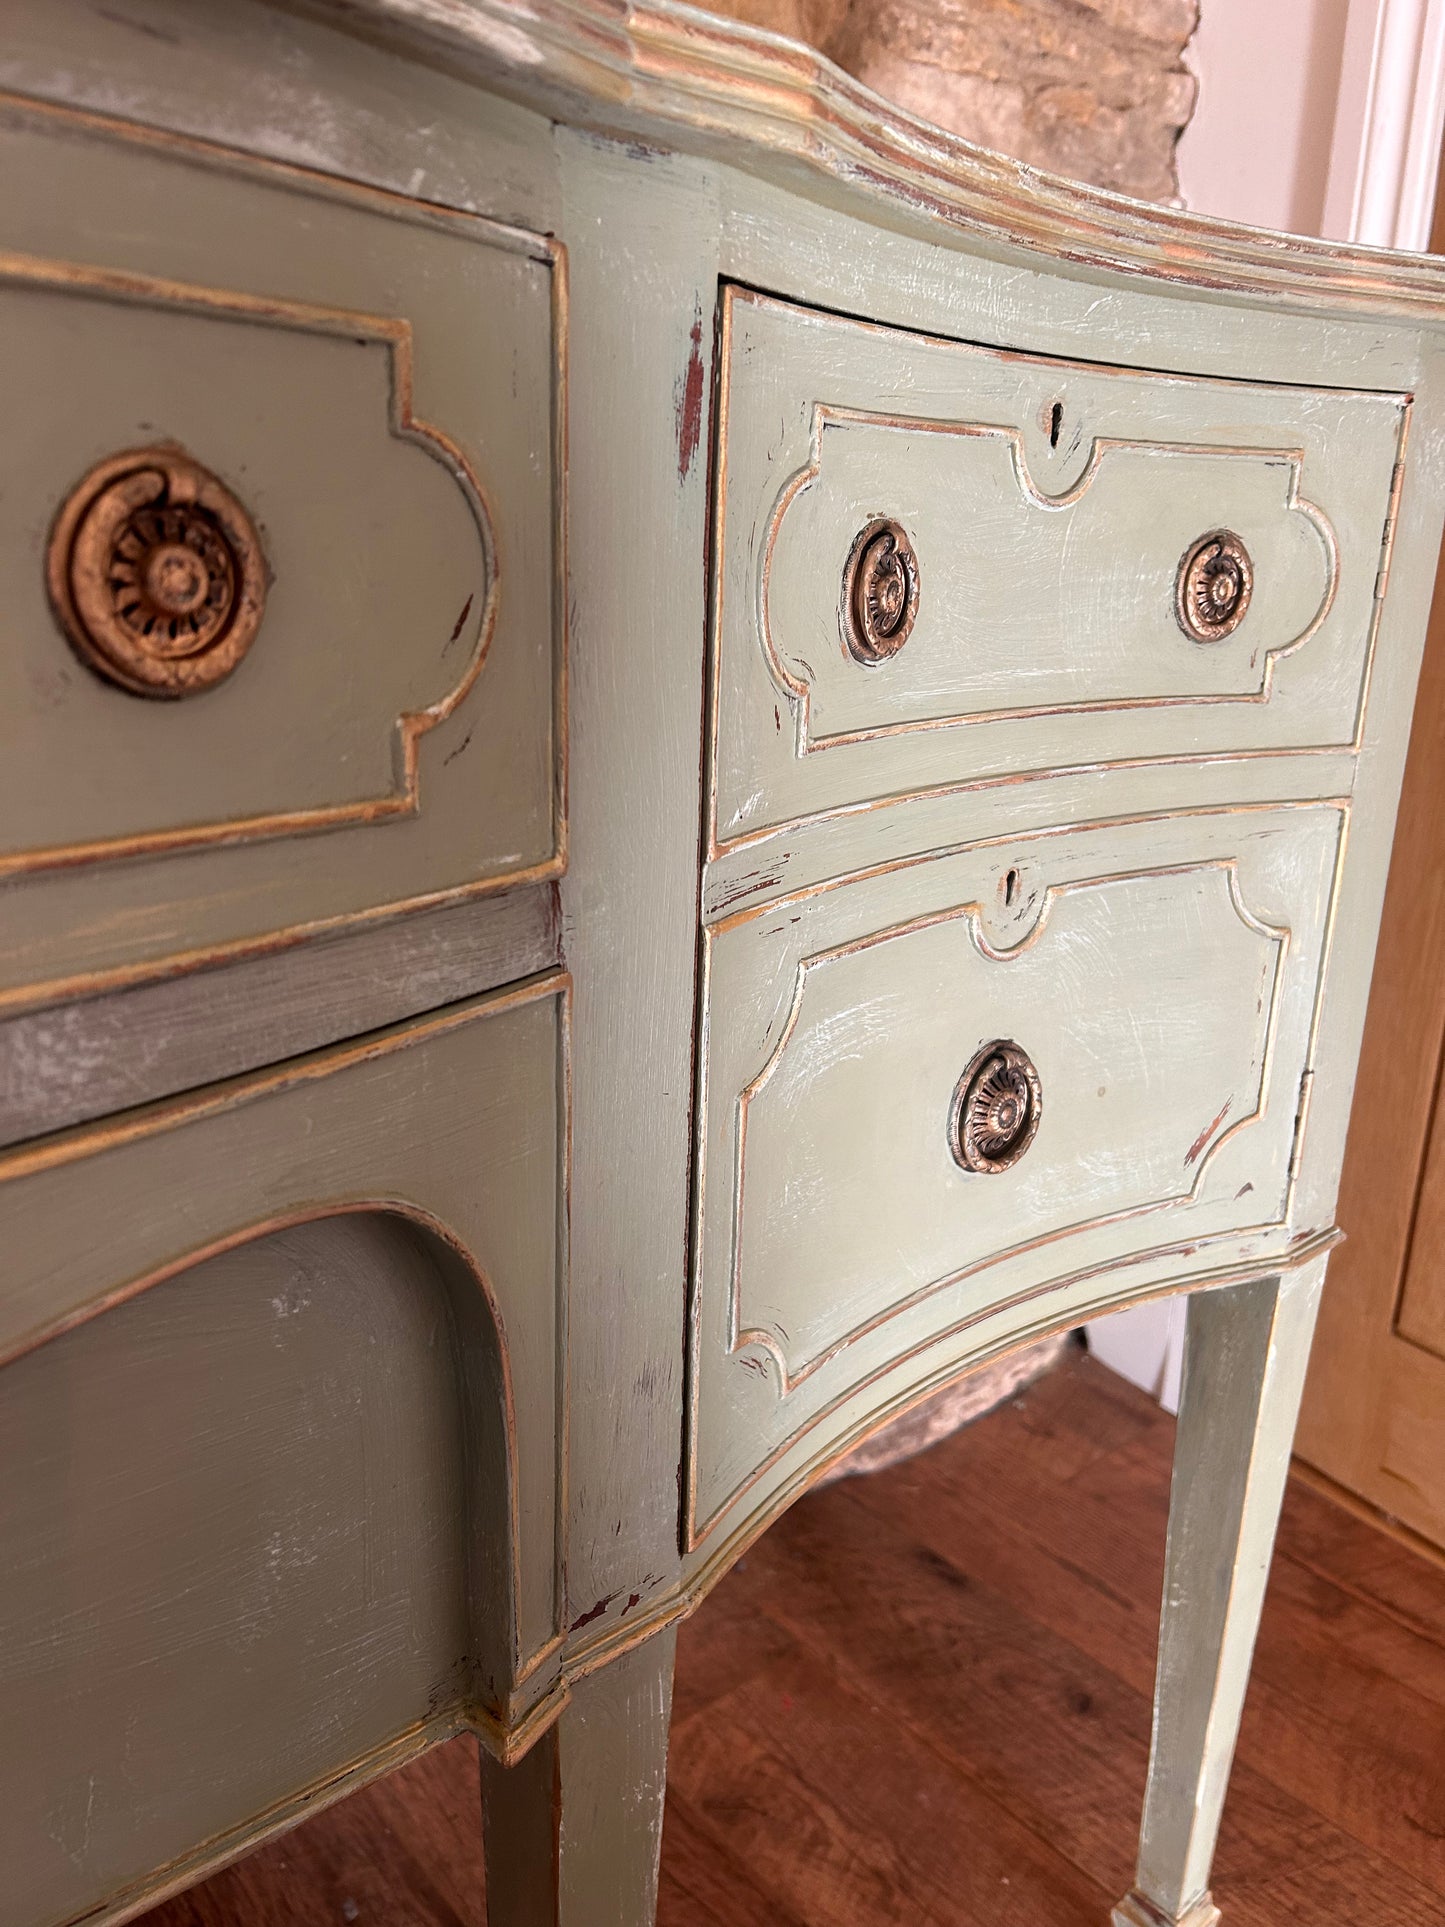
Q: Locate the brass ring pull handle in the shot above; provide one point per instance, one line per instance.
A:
(156, 574)
(880, 593)
(996, 1109)
(1213, 587)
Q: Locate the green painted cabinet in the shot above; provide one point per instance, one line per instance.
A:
(675, 757)
(1048, 504)
(377, 383)
(1161, 978)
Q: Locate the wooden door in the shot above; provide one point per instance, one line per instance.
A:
(1374, 1412)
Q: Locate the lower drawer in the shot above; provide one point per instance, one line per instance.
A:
(978, 1081)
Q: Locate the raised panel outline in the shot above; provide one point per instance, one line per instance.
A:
(217, 158)
(696, 1526)
(970, 914)
(395, 334)
(799, 691)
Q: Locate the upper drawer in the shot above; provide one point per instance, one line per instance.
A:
(279, 563)
(939, 563)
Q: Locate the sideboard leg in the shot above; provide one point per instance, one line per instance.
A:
(574, 1829)
(1244, 1368)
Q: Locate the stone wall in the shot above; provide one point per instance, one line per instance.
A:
(1095, 89)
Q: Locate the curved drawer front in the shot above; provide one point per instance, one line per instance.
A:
(279, 568)
(935, 558)
(1159, 983)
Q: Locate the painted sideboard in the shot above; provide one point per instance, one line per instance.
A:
(675, 757)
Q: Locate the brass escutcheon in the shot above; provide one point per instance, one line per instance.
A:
(996, 1109)
(880, 593)
(156, 574)
(1212, 590)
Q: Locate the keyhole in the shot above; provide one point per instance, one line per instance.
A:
(1010, 888)
(1056, 423)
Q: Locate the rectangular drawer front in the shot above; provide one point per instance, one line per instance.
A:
(1161, 980)
(1019, 526)
(370, 382)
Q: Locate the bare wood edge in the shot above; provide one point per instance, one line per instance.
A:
(701, 84)
(790, 1376)
(1382, 579)
(716, 539)
(562, 1388)
(561, 364)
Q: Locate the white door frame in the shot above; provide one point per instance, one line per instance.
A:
(1385, 149)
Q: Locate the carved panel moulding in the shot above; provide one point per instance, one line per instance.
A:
(870, 998)
(380, 384)
(1251, 964)
(984, 597)
(393, 335)
(1044, 516)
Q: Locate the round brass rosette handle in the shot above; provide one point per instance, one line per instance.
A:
(996, 1109)
(1213, 586)
(880, 593)
(156, 574)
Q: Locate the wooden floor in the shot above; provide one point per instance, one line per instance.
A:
(924, 1698)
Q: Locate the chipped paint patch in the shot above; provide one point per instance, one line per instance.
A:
(594, 1612)
(1191, 1156)
(689, 403)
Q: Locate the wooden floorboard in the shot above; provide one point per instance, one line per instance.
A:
(923, 1698)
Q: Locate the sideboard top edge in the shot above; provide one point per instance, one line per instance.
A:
(694, 80)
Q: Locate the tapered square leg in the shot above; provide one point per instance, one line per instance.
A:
(1135, 1911)
(574, 1829)
(1244, 1368)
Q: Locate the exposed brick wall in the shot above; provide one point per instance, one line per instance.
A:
(1095, 89)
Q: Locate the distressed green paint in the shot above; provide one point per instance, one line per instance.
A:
(1046, 631)
(306, 1540)
(397, 707)
(1162, 977)
(276, 1510)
